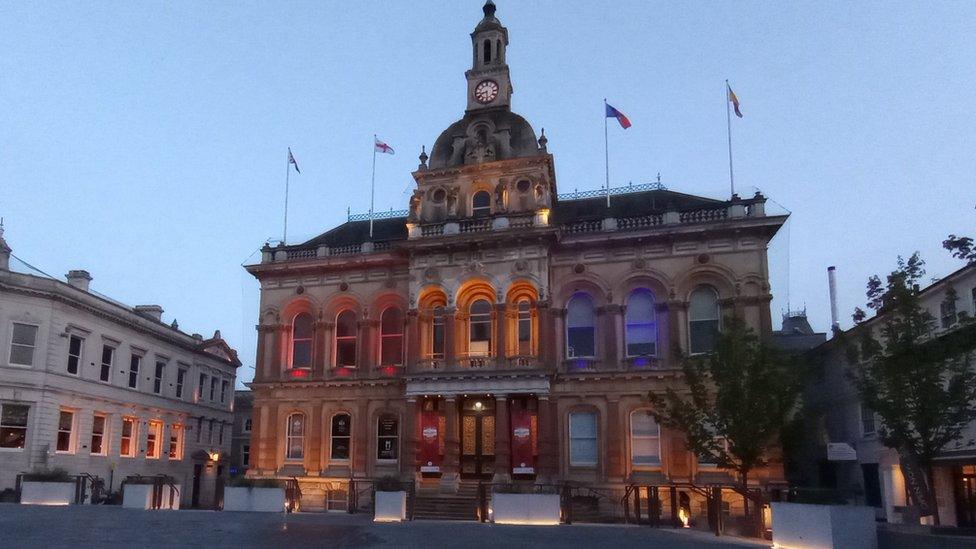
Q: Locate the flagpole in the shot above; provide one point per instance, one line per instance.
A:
(728, 122)
(372, 189)
(284, 235)
(606, 150)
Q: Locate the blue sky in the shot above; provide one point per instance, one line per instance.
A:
(146, 141)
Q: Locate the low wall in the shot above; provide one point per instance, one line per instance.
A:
(798, 525)
(139, 496)
(390, 507)
(47, 493)
(539, 509)
(263, 500)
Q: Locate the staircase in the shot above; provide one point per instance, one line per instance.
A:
(430, 504)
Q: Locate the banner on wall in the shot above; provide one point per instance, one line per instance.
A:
(430, 435)
(522, 456)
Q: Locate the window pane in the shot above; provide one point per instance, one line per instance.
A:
(301, 354)
(582, 424)
(580, 312)
(24, 334)
(14, 415)
(646, 451)
(346, 352)
(341, 426)
(13, 426)
(392, 353)
(642, 424)
(704, 304)
(581, 342)
(302, 328)
(392, 321)
(582, 451)
(346, 324)
(703, 335)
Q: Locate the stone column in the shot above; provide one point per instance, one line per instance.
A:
(450, 352)
(501, 329)
(411, 426)
(614, 442)
(611, 325)
(261, 361)
(412, 339)
(544, 328)
(547, 468)
(662, 318)
(675, 329)
(558, 337)
(320, 342)
(360, 439)
(367, 345)
(313, 452)
(275, 372)
(452, 449)
(503, 445)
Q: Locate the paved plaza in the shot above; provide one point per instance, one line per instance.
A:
(110, 526)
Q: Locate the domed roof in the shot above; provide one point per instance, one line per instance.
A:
(484, 136)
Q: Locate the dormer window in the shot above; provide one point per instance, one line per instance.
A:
(481, 204)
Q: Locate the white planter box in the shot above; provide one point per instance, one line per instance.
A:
(824, 526)
(47, 493)
(139, 496)
(390, 507)
(264, 500)
(539, 509)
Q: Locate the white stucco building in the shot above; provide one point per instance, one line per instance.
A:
(93, 386)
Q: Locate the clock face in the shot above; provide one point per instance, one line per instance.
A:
(486, 91)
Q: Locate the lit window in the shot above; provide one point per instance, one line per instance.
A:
(481, 204)
(703, 320)
(98, 447)
(176, 442)
(582, 439)
(158, 377)
(580, 327)
(301, 341)
(524, 327)
(295, 444)
(391, 337)
(437, 327)
(180, 382)
(345, 339)
(479, 320)
(153, 437)
(387, 437)
(645, 439)
(341, 436)
(108, 357)
(75, 345)
(134, 363)
(22, 343)
(66, 423)
(129, 432)
(13, 425)
(641, 328)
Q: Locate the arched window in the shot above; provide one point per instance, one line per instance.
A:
(391, 337)
(703, 319)
(345, 339)
(580, 327)
(295, 439)
(645, 438)
(641, 329)
(437, 331)
(341, 436)
(479, 328)
(301, 341)
(486, 50)
(387, 437)
(524, 327)
(481, 204)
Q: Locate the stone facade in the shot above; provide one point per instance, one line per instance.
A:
(498, 330)
(96, 387)
(240, 452)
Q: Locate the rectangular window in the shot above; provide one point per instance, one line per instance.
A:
(948, 313)
(868, 426)
(341, 435)
(199, 429)
(13, 425)
(22, 343)
(98, 435)
(201, 387)
(220, 434)
(66, 423)
(75, 344)
(176, 442)
(582, 439)
(180, 381)
(134, 363)
(210, 431)
(213, 388)
(247, 425)
(129, 431)
(581, 341)
(158, 377)
(708, 459)
(387, 438)
(223, 391)
(437, 335)
(108, 357)
(645, 439)
(245, 455)
(153, 437)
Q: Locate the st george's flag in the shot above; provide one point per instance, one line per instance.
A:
(382, 147)
(621, 117)
(291, 160)
(733, 99)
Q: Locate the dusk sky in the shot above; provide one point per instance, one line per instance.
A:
(146, 141)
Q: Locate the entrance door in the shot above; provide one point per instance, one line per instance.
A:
(477, 437)
(197, 472)
(966, 495)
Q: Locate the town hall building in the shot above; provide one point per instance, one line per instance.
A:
(499, 331)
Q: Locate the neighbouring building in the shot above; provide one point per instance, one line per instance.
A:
(93, 386)
(861, 466)
(498, 330)
(240, 451)
(795, 335)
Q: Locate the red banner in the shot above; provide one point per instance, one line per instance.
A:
(523, 462)
(430, 455)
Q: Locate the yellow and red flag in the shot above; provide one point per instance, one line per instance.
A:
(734, 100)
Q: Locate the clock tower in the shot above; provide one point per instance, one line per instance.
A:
(489, 84)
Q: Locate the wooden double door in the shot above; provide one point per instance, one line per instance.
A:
(965, 477)
(477, 437)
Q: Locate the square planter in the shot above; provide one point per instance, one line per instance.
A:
(390, 507)
(47, 493)
(139, 496)
(537, 509)
(246, 498)
(824, 526)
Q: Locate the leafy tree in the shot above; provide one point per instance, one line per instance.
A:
(919, 383)
(738, 402)
(961, 247)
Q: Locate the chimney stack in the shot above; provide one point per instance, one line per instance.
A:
(79, 278)
(832, 286)
(154, 312)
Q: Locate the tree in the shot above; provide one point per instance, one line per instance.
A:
(960, 247)
(920, 383)
(739, 400)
